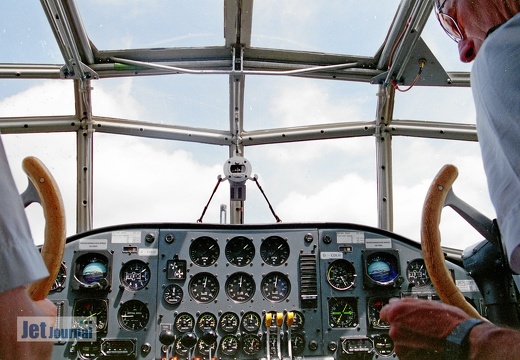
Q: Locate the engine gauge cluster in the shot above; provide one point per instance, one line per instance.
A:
(239, 292)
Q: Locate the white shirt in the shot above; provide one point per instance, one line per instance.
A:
(495, 80)
(20, 260)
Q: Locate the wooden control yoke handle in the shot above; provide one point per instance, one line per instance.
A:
(431, 241)
(55, 227)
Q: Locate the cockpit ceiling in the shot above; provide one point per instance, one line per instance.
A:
(344, 40)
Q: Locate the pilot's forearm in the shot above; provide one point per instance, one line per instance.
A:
(489, 342)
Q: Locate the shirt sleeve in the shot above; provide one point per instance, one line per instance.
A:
(20, 260)
(494, 80)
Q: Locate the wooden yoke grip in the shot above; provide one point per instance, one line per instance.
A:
(431, 241)
(55, 228)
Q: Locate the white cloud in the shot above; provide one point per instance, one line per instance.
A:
(45, 98)
(137, 182)
(349, 199)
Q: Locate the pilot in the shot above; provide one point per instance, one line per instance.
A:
(491, 29)
(20, 264)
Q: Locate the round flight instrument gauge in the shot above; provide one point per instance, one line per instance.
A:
(90, 308)
(59, 282)
(382, 268)
(206, 321)
(133, 315)
(240, 287)
(343, 312)
(298, 321)
(204, 251)
(298, 343)
(203, 347)
(229, 322)
(91, 270)
(383, 345)
(173, 294)
(417, 274)
(203, 287)
(88, 350)
(180, 349)
(274, 251)
(251, 321)
(374, 307)
(184, 322)
(341, 274)
(275, 286)
(251, 344)
(134, 275)
(229, 345)
(240, 251)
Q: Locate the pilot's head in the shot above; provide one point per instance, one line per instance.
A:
(469, 22)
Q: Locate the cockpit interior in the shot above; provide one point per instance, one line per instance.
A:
(244, 179)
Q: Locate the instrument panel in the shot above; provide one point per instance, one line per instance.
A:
(199, 291)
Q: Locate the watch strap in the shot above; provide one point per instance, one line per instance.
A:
(457, 342)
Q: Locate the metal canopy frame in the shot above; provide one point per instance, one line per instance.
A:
(397, 59)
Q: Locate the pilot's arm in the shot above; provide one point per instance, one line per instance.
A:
(20, 264)
(419, 329)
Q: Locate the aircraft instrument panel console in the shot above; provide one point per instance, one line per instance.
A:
(284, 291)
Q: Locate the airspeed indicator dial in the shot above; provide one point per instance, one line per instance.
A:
(341, 274)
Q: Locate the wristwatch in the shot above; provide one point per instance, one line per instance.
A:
(457, 342)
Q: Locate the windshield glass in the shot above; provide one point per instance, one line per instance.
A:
(162, 93)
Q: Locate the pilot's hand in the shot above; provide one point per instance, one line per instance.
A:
(13, 304)
(419, 327)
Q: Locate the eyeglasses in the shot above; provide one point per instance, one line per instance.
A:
(448, 23)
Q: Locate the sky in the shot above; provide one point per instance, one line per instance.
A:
(144, 180)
